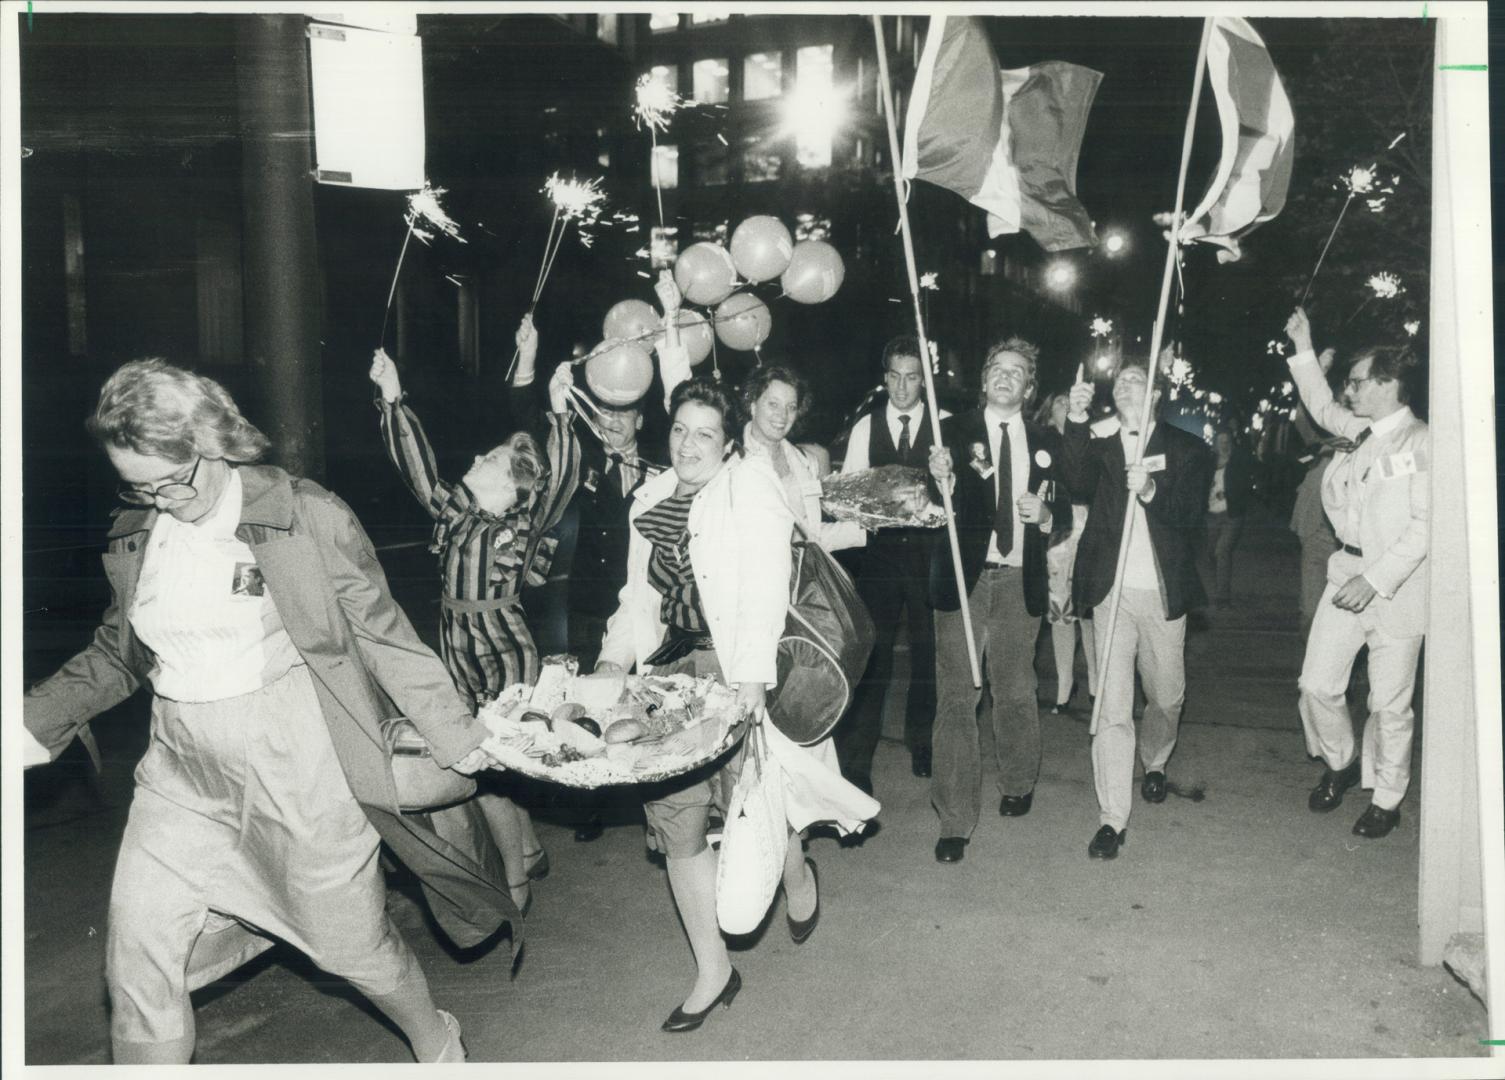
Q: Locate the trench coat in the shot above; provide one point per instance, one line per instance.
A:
(368, 665)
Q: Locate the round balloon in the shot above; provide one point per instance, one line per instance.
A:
(630, 320)
(761, 248)
(743, 321)
(619, 372)
(694, 335)
(815, 272)
(705, 273)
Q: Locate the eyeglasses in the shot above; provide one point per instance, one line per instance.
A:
(1354, 384)
(173, 490)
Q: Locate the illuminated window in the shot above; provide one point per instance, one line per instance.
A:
(759, 160)
(714, 231)
(710, 81)
(810, 227)
(762, 76)
(606, 28)
(603, 149)
(815, 112)
(659, 21)
(665, 166)
(668, 74)
(710, 15)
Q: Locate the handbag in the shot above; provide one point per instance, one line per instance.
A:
(421, 784)
(754, 841)
(828, 636)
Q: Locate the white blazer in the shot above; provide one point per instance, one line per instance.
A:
(831, 535)
(740, 530)
(1395, 495)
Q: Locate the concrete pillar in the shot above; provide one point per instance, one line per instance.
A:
(282, 290)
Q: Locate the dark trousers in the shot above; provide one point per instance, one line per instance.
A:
(893, 581)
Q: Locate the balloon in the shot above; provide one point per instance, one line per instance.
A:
(743, 321)
(761, 247)
(694, 335)
(705, 273)
(815, 272)
(630, 320)
(620, 372)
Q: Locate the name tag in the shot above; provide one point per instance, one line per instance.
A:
(982, 468)
(591, 480)
(1153, 463)
(1403, 464)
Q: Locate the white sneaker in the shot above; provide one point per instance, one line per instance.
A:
(454, 1049)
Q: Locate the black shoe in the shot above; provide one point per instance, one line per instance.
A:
(1060, 708)
(537, 863)
(1376, 822)
(1016, 805)
(679, 1020)
(1106, 842)
(800, 929)
(919, 762)
(591, 830)
(950, 848)
(1329, 790)
(1153, 787)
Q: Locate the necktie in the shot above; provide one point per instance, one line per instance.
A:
(903, 437)
(1364, 435)
(1003, 514)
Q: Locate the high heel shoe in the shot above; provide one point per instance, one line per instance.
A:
(537, 864)
(800, 929)
(454, 1046)
(527, 904)
(680, 1020)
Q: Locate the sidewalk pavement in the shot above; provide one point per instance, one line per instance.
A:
(1238, 926)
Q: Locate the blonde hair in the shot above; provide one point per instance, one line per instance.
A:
(528, 464)
(159, 410)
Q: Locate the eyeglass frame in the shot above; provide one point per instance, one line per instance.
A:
(1354, 384)
(144, 496)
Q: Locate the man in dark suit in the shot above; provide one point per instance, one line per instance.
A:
(1169, 486)
(1006, 503)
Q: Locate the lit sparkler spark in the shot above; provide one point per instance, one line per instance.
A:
(576, 200)
(423, 206)
(1275, 347)
(928, 281)
(1386, 286)
(656, 103)
(1101, 327)
(1413, 327)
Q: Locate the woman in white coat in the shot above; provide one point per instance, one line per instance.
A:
(708, 567)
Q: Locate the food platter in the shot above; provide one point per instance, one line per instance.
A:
(599, 731)
(885, 496)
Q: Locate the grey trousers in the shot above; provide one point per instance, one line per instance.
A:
(1005, 632)
(1158, 645)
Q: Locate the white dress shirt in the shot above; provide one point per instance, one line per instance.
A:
(1139, 571)
(859, 443)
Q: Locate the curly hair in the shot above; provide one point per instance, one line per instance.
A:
(157, 409)
(704, 390)
(762, 378)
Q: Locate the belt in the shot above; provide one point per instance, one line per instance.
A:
(678, 644)
(998, 566)
(1353, 550)
(473, 607)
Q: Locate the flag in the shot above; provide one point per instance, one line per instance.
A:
(1006, 141)
(1259, 146)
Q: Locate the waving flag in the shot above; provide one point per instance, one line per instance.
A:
(1006, 141)
(1259, 146)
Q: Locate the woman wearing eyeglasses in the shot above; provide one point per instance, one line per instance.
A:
(253, 604)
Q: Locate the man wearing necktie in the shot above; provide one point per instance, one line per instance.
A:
(894, 573)
(1007, 503)
(1378, 497)
(1169, 487)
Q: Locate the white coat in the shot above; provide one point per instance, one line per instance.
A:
(831, 535)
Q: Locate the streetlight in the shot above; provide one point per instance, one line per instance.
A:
(1115, 243)
(1060, 275)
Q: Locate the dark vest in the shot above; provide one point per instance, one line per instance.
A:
(599, 568)
(880, 441)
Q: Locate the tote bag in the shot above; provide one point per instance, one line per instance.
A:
(753, 842)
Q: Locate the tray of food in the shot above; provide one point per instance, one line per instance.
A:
(600, 730)
(883, 497)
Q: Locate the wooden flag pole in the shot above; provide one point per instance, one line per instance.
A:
(919, 322)
(1153, 368)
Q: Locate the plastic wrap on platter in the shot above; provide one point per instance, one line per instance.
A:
(887, 496)
(595, 731)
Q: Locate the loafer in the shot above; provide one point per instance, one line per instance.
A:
(1106, 842)
(1153, 787)
(950, 848)
(680, 1020)
(800, 929)
(1016, 805)
(1329, 790)
(919, 762)
(1376, 822)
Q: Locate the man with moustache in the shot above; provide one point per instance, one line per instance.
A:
(1006, 503)
(894, 573)
(1169, 488)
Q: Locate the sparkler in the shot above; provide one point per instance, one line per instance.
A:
(1101, 327)
(1413, 327)
(423, 206)
(1386, 286)
(1358, 180)
(655, 106)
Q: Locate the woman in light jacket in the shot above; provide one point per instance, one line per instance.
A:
(253, 603)
(707, 590)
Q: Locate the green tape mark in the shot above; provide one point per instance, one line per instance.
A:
(1423, 12)
(1492, 1042)
(28, 16)
(1463, 67)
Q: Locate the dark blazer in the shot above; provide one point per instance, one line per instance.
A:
(1094, 471)
(974, 501)
(367, 662)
